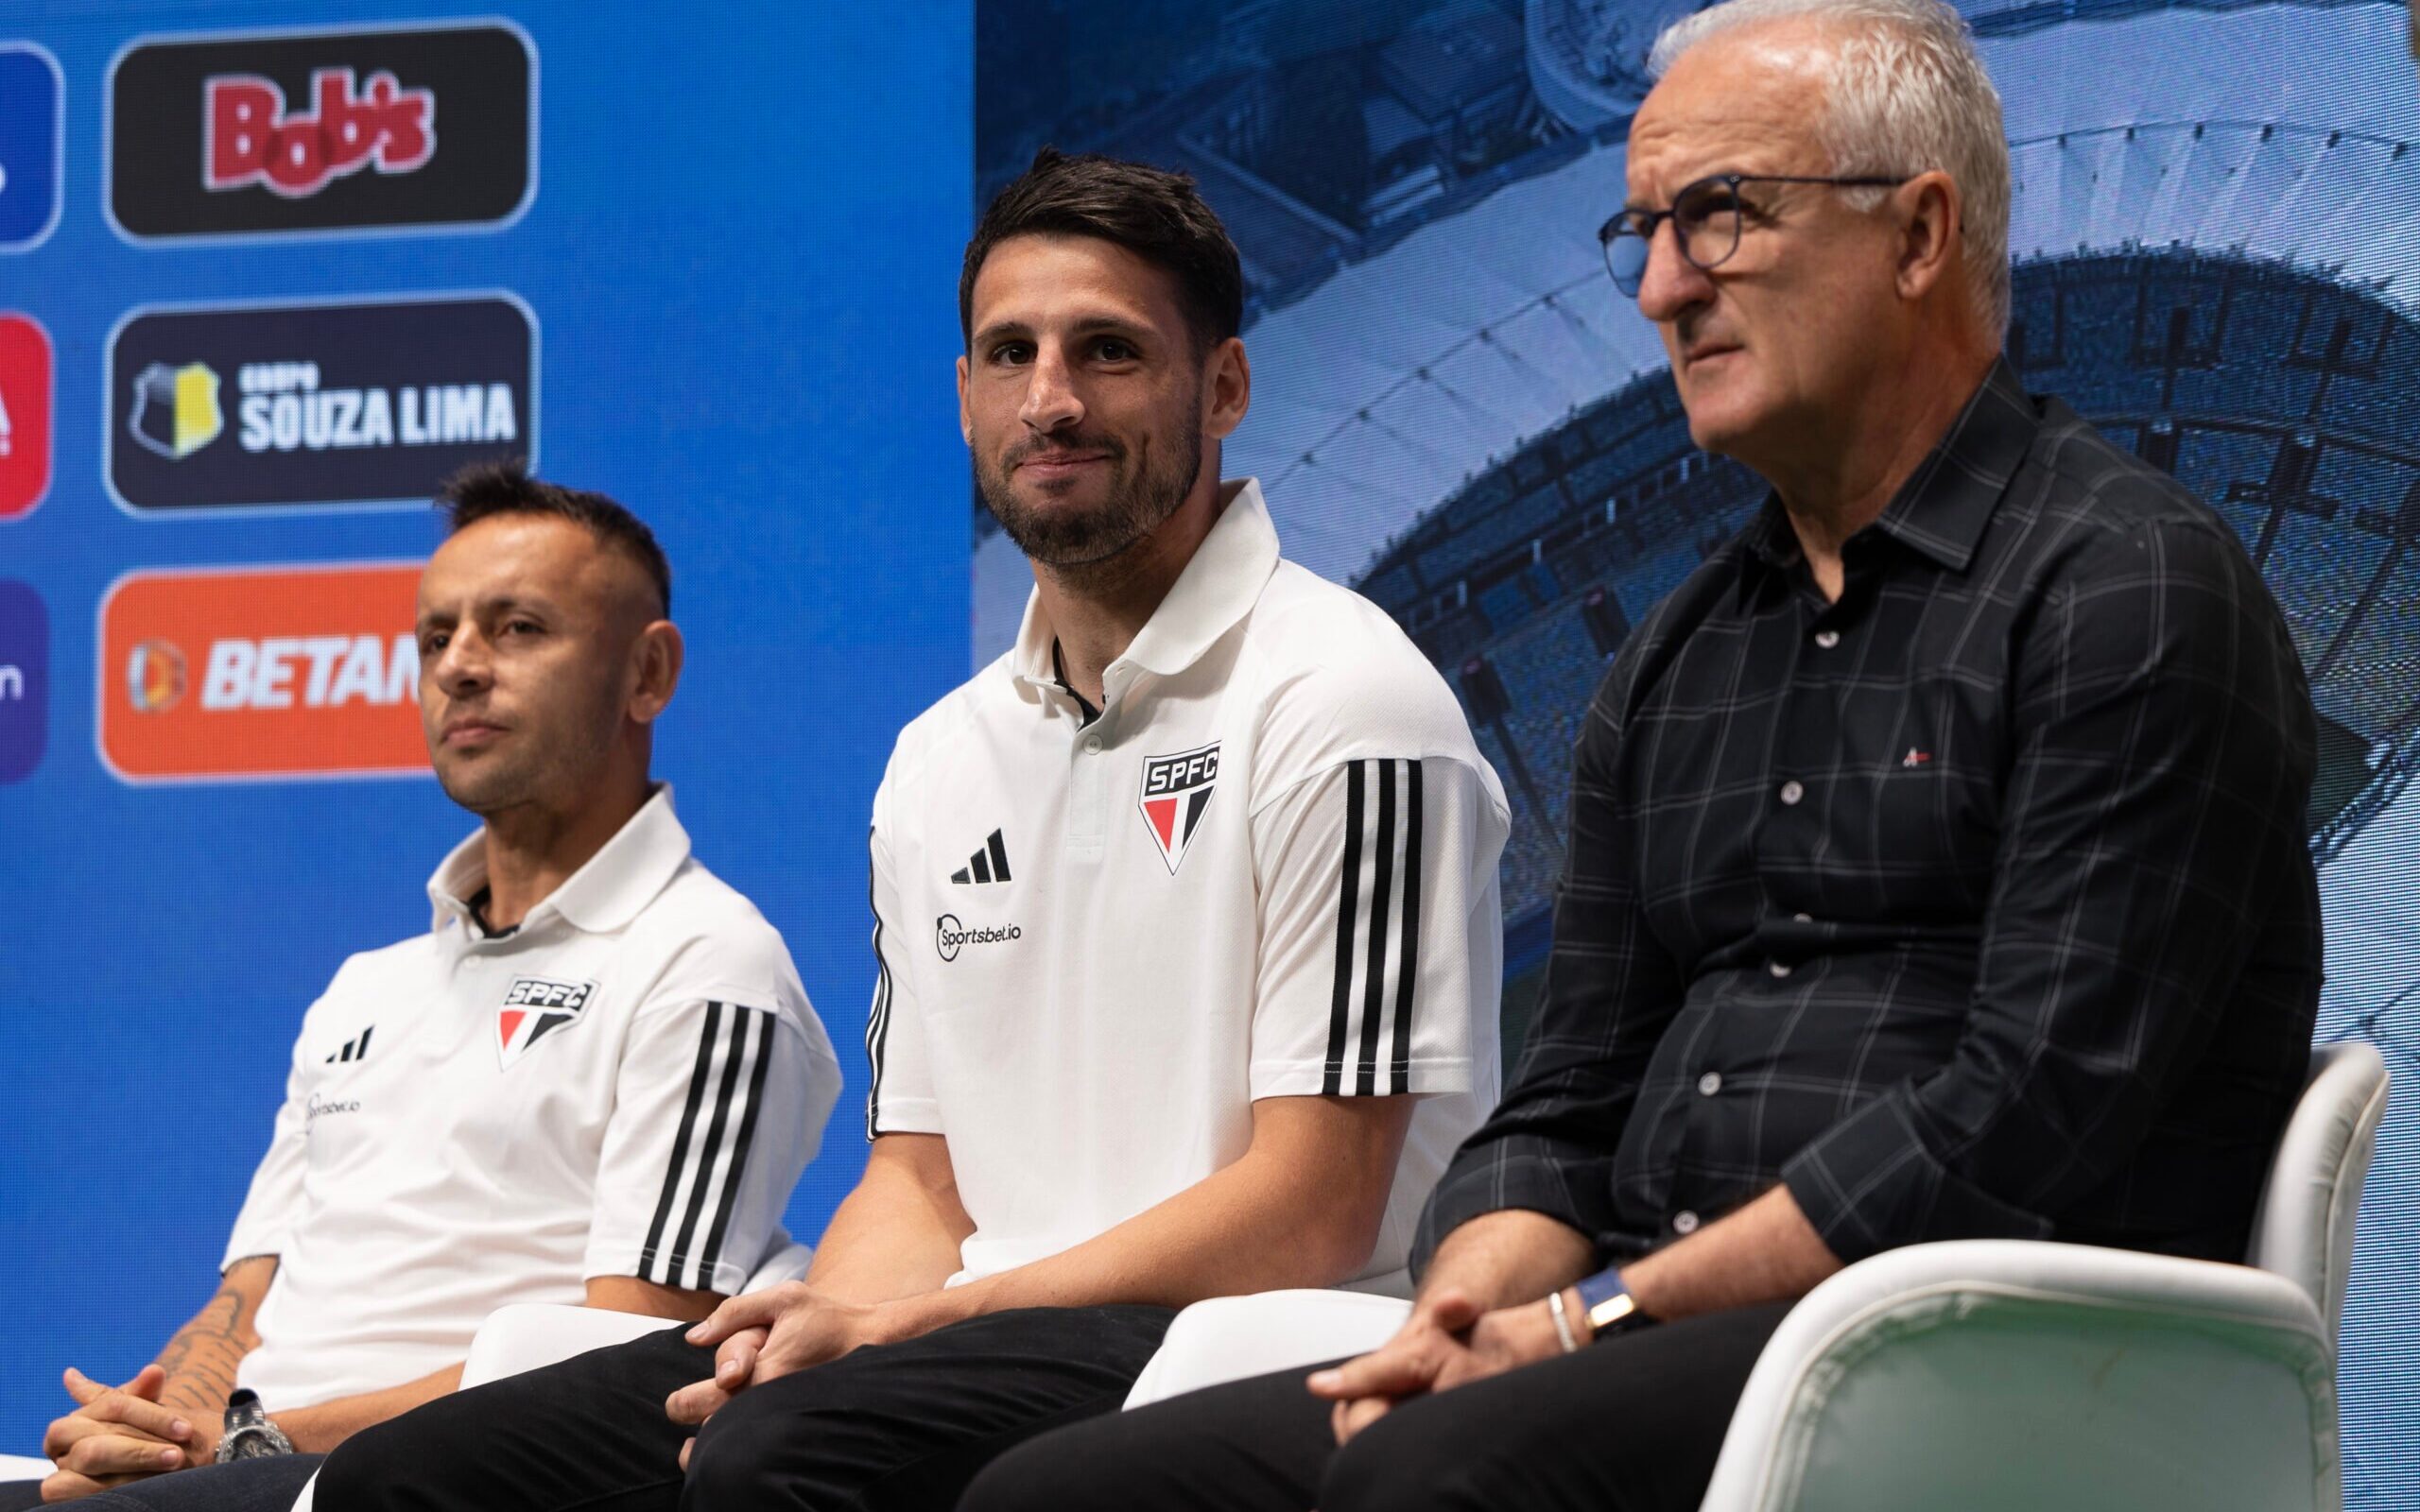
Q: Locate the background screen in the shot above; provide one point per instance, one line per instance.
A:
(2216, 261)
(707, 252)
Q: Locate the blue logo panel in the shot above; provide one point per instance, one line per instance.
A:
(24, 680)
(30, 97)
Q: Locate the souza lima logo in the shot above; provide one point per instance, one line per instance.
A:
(950, 935)
(298, 406)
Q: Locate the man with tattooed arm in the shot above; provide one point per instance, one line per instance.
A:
(594, 1079)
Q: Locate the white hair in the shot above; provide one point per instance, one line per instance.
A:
(1905, 94)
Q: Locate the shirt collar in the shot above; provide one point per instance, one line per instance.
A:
(1941, 511)
(602, 895)
(1217, 588)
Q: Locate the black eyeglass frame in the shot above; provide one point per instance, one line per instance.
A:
(1618, 225)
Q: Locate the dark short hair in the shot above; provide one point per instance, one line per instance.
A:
(486, 488)
(1159, 216)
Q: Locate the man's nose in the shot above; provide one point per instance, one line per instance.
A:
(465, 663)
(1051, 402)
(1672, 284)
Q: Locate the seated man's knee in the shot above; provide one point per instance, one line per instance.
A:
(738, 1449)
(1393, 1466)
(408, 1464)
(1083, 1468)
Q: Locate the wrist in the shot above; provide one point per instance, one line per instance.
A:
(1603, 1305)
(910, 1317)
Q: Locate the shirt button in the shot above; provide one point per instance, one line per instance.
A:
(1827, 639)
(1778, 969)
(1792, 791)
(1092, 746)
(1710, 1084)
(1684, 1223)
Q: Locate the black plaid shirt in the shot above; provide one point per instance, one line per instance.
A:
(1976, 904)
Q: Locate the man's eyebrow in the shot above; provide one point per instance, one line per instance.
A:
(1087, 325)
(492, 604)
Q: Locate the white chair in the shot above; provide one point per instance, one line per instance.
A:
(1999, 1374)
(528, 1335)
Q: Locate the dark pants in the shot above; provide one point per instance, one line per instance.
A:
(897, 1426)
(246, 1485)
(1629, 1425)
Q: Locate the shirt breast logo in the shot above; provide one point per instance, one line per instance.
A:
(1176, 791)
(533, 1008)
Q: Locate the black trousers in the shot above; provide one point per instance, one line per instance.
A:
(901, 1426)
(1629, 1425)
(245, 1486)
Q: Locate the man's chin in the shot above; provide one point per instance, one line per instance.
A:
(481, 791)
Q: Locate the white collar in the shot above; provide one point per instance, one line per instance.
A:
(1216, 589)
(603, 895)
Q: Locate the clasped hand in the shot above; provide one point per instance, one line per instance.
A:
(765, 1335)
(1447, 1342)
(117, 1435)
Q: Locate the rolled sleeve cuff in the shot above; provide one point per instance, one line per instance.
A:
(1868, 1183)
(1533, 1183)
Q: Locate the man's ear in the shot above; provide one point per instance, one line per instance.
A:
(1931, 240)
(656, 657)
(965, 417)
(1226, 389)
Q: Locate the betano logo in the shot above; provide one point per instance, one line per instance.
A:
(304, 672)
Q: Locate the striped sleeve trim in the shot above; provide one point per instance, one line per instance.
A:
(1378, 931)
(701, 1183)
(878, 1019)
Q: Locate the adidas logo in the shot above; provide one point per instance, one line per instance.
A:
(355, 1049)
(991, 864)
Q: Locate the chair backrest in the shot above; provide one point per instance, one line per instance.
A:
(2303, 1228)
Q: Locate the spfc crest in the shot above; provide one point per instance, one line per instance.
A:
(1176, 790)
(533, 1008)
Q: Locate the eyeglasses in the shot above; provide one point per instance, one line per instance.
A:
(1705, 217)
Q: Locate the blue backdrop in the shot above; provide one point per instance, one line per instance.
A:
(741, 254)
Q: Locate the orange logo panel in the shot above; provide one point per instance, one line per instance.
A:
(261, 673)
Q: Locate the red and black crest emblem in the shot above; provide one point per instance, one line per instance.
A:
(533, 1008)
(1176, 791)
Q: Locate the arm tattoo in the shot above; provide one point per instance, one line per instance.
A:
(201, 1361)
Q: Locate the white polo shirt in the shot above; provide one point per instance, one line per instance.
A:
(1267, 869)
(628, 1084)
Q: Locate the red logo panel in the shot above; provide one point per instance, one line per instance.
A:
(25, 415)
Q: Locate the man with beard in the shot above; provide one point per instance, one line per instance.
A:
(596, 1078)
(1187, 947)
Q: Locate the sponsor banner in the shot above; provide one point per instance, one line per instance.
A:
(287, 406)
(32, 145)
(280, 133)
(25, 414)
(261, 673)
(24, 680)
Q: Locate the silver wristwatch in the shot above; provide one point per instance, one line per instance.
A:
(250, 1432)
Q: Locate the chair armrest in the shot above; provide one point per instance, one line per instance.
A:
(1230, 1338)
(527, 1335)
(1990, 1373)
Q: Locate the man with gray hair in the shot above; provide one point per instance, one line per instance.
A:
(1936, 866)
